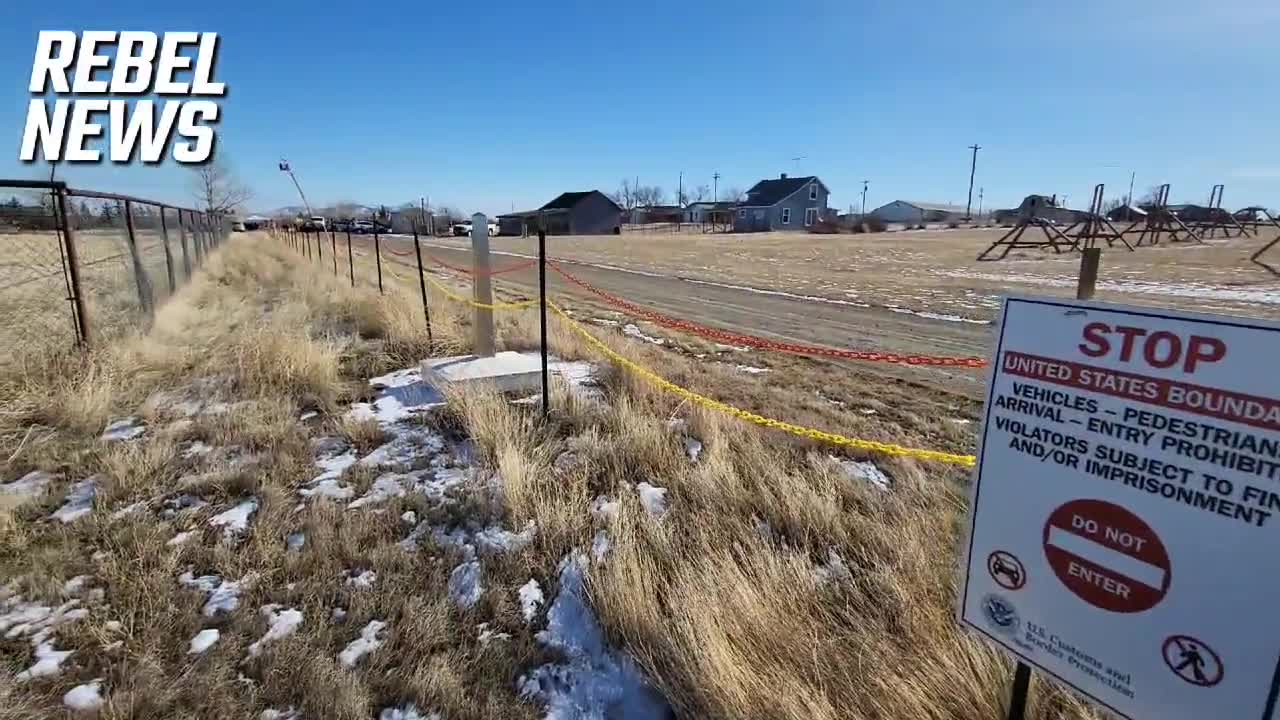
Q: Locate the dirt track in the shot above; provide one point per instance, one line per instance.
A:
(795, 319)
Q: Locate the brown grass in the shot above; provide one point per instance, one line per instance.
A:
(719, 601)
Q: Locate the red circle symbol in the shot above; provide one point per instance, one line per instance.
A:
(1107, 556)
(1006, 569)
(1192, 660)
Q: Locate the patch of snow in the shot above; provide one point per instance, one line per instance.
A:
(602, 508)
(364, 580)
(867, 411)
(384, 488)
(409, 517)
(75, 585)
(464, 584)
(288, 713)
(174, 506)
(401, 395)
(960, 421)
(295, 541)
(281, 624)
(488, 635)
(630, 330)
(203, 641)
(600, 546)
(654, 499)
(408, 445)
(497, 540)
(84, 698)
(363, 645)
(79, 501)
(752, 370)
(235, 520)
(307, 415)
(408, 712)
(123, 429)
(181, 538)
(129, 510)
(33, 484)
(48, 662)
(332, 466)
(338, 615)
(410, 543)
(867, 471)
(223, 595)
(936, 316)
(594, 682)
(693, 448)
(196, 449)
(579, 375)
(330, 488)
(531, 598)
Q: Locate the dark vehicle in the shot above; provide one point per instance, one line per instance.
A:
(341, 225)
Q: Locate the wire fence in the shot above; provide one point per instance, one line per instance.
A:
(81, 266)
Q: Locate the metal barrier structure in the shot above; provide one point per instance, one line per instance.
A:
(81, 266)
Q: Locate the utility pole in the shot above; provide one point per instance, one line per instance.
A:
(979, 202)
(864, 197)
(680, 190)
(286, 169)
(973, 168)
(715, 184)
(1132, 175)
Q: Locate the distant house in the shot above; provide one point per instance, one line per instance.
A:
(911, 212)
(708, 212)
(572, 213)
(653, 214)
(782, 204)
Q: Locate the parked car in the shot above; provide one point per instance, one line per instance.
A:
(315, 224)
(237, 226)
(462, 229)
(340, 225)
(362, 227)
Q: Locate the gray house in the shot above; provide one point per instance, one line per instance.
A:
(572, 213)
(911, 212)
(782, 204)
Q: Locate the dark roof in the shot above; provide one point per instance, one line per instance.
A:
(566, 201)
(771, 192)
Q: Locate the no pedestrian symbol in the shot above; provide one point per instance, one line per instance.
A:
(1107, 556)
(1192, 660)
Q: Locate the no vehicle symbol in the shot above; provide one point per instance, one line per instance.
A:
(1107, 556)
(1006, 569)
(1192, 660)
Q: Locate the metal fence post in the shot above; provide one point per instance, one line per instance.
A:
(422, 283)
(73, 267)
(320, 246)
(377, 253)
(542, 302)
(139, 273)
(333, 241)
(182, 238)
(351, 263)
(168, 254)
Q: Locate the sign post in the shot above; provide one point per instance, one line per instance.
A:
(1126, 493)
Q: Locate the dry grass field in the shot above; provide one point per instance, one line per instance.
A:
(934, 271)
(271, 536)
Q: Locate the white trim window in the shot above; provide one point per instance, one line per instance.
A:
(742, 213)
(786, 216)
(810, 217)
(813, 191)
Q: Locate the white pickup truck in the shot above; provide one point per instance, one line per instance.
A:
(464, 228)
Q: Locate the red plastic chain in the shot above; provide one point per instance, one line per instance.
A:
(733, 338)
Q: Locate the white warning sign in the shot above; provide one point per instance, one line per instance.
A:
(1124, 521)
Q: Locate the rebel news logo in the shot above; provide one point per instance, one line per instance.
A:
(103, 84)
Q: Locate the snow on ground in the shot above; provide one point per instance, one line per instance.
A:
(48, 662)
(295, 541)
(363, 645)
(182, 503)
(465, 586)
(1200, 291)
(531, 599)
(84, 698)
(123, 429)
(196, 449)
(594, 682)
(181, 538)
(333, 457)
(363, 581)
(202, 641)
(752, 370)
(406, 712)
(288, 713)
(410, 444)
(865, 470)
(33, 484)
(79, 501)
(236, 520)
(693, 448)
(223, 596)
(600, 546)
(605, 509)
(936, 316)
(400, 395)
(488, 634)
(630, 330)
(653, 498)
(281, 624)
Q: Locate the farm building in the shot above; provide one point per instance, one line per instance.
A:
(653, 214)
(910, 212)
(708, 212)
(782, 204)
(571, 213)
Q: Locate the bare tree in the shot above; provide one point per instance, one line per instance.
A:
(700, 193)
(1152, 194)
(625, 195)
(648, 195)
(216, 188)
(1112, 204)
(733, 194)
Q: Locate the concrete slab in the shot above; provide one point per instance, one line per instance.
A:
(510, 372)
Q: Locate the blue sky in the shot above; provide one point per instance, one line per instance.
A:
(492, 105)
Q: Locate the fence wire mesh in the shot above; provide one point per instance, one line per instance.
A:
(80, 265)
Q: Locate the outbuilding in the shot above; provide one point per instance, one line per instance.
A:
(590, 212)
